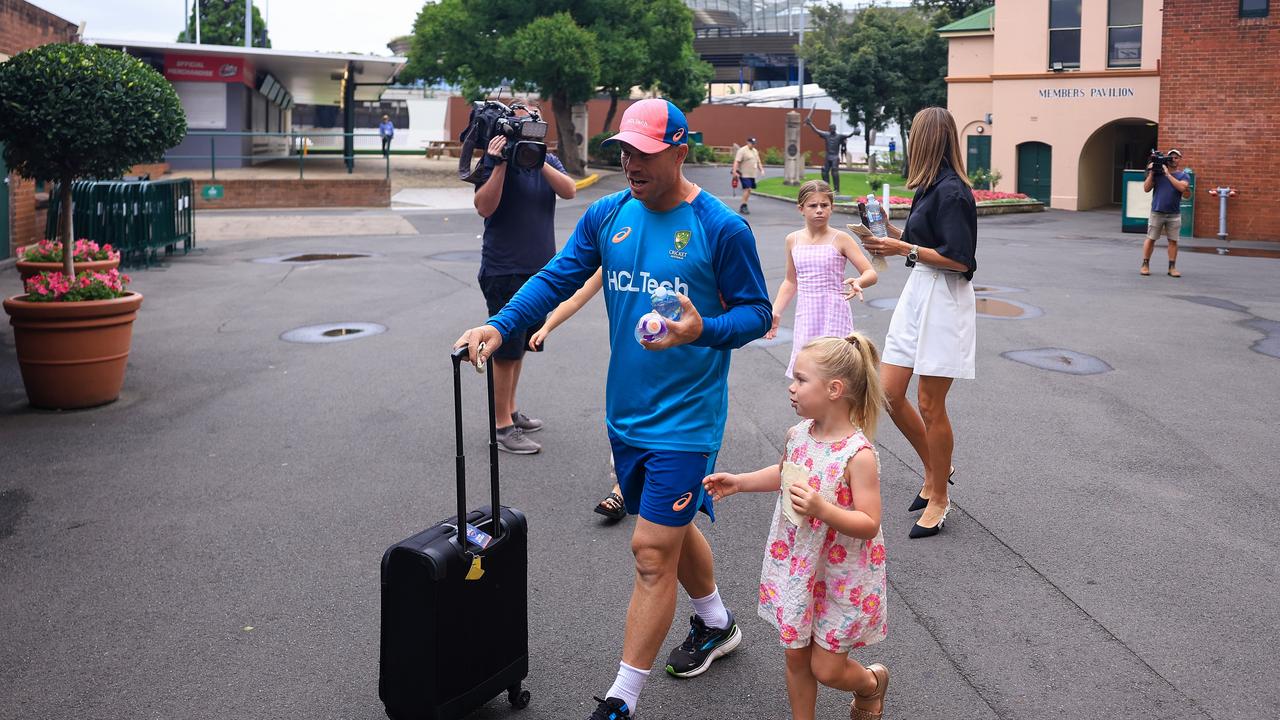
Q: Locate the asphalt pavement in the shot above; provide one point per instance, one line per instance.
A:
(208, 546)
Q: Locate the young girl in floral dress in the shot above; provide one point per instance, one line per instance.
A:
(816, 257)
(823, 582)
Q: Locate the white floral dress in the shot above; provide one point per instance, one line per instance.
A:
(816, 583)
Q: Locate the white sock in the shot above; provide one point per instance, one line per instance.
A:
(628, 684)
(712, 610)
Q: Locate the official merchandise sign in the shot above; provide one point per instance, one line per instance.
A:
(211, 192)
(204, 68)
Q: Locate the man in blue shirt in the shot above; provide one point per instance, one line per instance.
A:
(665, 411)
(519, 207)
(387, 130)
(1167, 190)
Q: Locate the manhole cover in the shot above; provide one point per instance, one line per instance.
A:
(314, 257)
(1059, 360)
(467, 256)
(333, 332)
(1006, 309)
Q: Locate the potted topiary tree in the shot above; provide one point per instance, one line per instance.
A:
(68, 112)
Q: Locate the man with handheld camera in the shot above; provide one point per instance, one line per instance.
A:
(517, 199)
(1167, 185)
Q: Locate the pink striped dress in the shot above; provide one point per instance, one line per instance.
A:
(820, 305)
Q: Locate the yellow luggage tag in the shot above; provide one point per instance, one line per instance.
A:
(477, 571)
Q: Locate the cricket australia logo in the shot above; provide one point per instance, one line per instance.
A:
(682, 239)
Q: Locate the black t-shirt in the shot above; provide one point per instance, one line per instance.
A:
(520, 237)
(944, 217)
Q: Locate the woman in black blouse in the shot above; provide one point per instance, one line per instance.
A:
(932, 333)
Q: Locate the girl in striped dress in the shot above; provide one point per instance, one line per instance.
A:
(816, 258)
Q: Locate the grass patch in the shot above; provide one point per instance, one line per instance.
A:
(851, 183)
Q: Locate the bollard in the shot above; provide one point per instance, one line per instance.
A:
(1223, 193)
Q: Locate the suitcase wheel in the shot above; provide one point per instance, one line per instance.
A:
(518, 697)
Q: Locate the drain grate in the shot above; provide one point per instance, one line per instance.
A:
(320, 257)
(333, 332)
(1059, 360)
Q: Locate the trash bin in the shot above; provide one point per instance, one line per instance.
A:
(1188, 207)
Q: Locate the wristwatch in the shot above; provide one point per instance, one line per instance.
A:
(914, 254)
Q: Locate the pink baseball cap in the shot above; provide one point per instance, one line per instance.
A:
(652, 126)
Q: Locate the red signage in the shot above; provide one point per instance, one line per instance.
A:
(205, 68)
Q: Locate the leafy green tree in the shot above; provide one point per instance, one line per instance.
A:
(606, 46)
(83, 111)
(917, 75)
(222, 23)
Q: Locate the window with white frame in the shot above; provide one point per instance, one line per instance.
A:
(1124, 33)
(1064, 34)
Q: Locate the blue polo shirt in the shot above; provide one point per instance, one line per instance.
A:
(675, 399)
(1165, 198)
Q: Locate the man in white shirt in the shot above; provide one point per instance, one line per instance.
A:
(746, 168)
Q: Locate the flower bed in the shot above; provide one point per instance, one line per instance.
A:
(51, 251)
(88, 285)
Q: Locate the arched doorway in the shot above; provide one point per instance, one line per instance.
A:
(1035, 169)
(1113, 148)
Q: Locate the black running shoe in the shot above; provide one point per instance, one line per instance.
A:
(610, 709)
(702, 646)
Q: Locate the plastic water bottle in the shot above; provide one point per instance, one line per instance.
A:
(875, 217)
(652, 326)
(665, 303)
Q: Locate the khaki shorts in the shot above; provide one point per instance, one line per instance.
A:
(1160, 223)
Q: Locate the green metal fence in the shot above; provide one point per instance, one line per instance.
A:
(300, 147)
(138, 218)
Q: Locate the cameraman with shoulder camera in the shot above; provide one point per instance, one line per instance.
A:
(518, 206)
(1168, 186)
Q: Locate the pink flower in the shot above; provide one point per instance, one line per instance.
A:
(819, 589)
(871, 604)
(779, 550)
(877, 555)
(820, 607)
(815, 482)
(788, 633)
(839, 445)
(815, 523)
(836, 554)
(855, 595)
(764, 594)
(844, 496)
(833, 641)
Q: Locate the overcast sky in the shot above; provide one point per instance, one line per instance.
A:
(362, 26)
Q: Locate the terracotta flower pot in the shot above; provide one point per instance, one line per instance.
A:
(72, 354)
(31, 269)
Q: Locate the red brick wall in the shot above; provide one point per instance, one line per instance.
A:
(295, 193)
(719, 124)
(22, 27)
(1220, 105)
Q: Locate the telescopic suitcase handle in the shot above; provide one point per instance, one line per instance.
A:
(459, 355)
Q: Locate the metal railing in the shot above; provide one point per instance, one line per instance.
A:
(138, 218)
(297, 145)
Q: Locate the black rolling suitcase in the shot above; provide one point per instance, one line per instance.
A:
(455, 608)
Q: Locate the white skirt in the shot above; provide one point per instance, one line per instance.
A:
(933, 329)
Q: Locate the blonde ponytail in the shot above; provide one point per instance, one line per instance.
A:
(855, 361)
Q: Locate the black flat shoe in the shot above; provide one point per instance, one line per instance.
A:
(919, 502)
(920, 531)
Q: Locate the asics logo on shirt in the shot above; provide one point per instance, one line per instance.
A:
(642, 282)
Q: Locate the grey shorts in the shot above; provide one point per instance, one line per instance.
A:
(1164, 223)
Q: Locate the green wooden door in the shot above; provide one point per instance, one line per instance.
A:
(1035, 167)
(4, 206)
(979, 157)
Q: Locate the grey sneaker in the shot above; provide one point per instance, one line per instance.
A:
(512, 439)
(526, 423)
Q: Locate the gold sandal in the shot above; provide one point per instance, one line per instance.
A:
(882, 684)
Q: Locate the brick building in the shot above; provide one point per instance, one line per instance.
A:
(1220, 105)
(22, 27)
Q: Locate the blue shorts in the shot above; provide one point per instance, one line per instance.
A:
(748, 183)
(663, 486)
